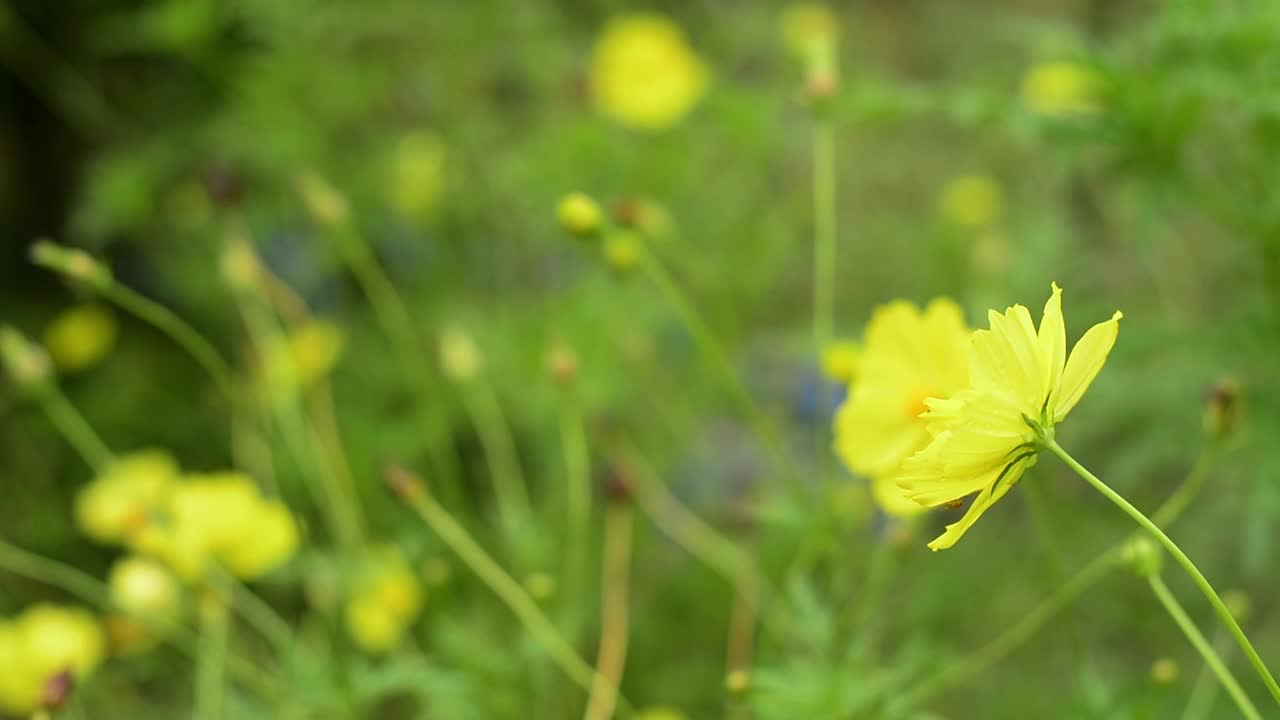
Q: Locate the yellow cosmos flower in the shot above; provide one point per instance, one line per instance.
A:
(1021, 383)
(1060, 89)
(119, 502)
(909, 355)
(79, 338)
(643, 73)
(972, 201)
(42, 642)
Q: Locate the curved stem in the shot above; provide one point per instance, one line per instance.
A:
(510, 488)
(824, 235)
(1203, 690)
(614, 624)
(178, 330)
(1224, 614)
(212, 659)
(1202, 646)
(73, 427)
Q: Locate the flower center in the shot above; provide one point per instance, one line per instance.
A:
(914, 404)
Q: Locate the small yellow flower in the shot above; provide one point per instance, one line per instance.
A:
(1021, 383)
(908, 356)
(272, 541)
(141, 585)
(643, 73)
(42, 642)
(579, 214)
(1062, 89)
(840, 361)
(386, 600)
(417, 173)
(974, 202)
(120, 501)
(806, 27)
(80, 337)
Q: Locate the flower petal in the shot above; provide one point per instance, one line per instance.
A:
(985, 500)
(1053, 337)
(1086, 360)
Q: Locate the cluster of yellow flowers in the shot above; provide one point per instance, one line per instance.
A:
(937, 413)
(40, 645)
(384, 602)
(643, 74)
(192, 522)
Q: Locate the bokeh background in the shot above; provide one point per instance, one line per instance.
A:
(1127, 150)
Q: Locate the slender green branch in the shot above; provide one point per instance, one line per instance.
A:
(614, 616)
(73, 427)
(824, 237)
(1224, 614)
(1203, 690)
(577, 462)
(1211, 658)
(514, 503)
(248, 605)
(212, 659)
(412, 490)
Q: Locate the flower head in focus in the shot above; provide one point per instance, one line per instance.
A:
(643, 73)
(1021, 384)
(1062, 89)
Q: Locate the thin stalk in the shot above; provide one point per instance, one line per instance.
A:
(255, 611)
(577, 461)
(212, 660)
(73, 427)
(1211, 658)
(1056, 567)
(824, 236)
(499, 582)
(615, 591)
(177, 329)
(711, 348)
(1200, 701)
(510, 489)
(1224, 614)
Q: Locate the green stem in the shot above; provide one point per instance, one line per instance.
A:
(1200, 701)
(73, 427)
(212, 660)
(1211, 658)
(255, 611)
(711, 348)
(499, 448)
(824, 238)
(577, 462)
(1047, 537)
(1224, 614)
(977, 663)
(177, 329)
(508, 591)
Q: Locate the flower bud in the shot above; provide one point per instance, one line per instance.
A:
(326, 204)
(622, 251)
(562, 364)
(737, 681)
(1222, 409)
(643, 214)
(405, 485)
(1164, 671)
(72, 262)
(239, 264)
(541, 586)
(142, 586)
(27, 363)
(1143, 556)
(579, 214)
(459, 357)
(80, 337)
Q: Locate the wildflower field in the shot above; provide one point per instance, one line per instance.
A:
(886, 359)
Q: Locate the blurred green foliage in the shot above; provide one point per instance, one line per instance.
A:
(149, 131)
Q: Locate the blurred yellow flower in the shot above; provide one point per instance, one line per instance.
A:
(80, 337)
(807, 27)
(643, 73)
(460, 359)
(306, 355)
(909, 355)
(220, 518)
(1021, 383)
(417, 173)
(40, 643)
(1062, 88)
(622, 251)
(974, 202)
(384, 602)
(840, 361)
(142, 585)
(540, 585)
(120, 501)
(579, 214)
